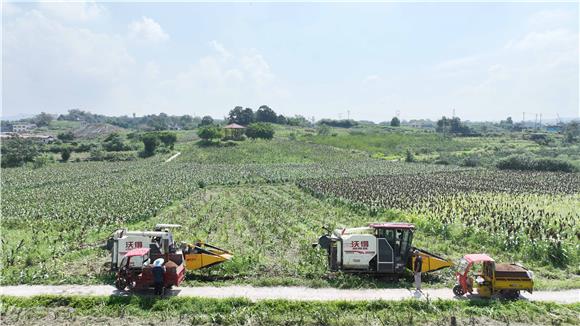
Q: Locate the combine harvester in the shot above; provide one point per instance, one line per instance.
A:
(160, 243)
(383, 249)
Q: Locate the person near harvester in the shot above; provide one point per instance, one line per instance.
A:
(417, 266)
(158, 275)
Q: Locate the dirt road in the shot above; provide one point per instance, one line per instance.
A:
(172, 157)
(287, 293)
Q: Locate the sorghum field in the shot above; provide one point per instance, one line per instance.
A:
(268, 201)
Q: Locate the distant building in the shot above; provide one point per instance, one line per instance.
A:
(554, 128)
(420, 124)
(47, 139)
(234, 131)
(23, 127)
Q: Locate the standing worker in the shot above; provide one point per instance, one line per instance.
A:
(417, 266)
(158, 275)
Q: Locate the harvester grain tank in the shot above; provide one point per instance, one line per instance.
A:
(379, 248)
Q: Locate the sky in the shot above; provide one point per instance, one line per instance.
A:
(365, 61)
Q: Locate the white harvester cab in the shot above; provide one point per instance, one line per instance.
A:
(159, 241)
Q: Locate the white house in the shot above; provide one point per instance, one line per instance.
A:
(24, 127)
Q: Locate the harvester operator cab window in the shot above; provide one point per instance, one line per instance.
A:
(406, 237)
(389, 235)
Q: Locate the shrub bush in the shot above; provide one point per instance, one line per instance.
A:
(409, 156)
(65, 154)
(210, 132)
(529, 163)
(151, 141)
(471, 161)
(260, 130)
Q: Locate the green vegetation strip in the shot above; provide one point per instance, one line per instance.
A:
(242, 311)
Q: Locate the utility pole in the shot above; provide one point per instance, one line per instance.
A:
(540, 120)
(453, 115)
(523, 117)
(536, 122)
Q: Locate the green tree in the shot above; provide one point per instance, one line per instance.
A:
(65, 154)
(150, 141)
(114, 143)
(168, 138)
(43, 119)
(41, 161)
(507, 123)
(409, 156)
(211, 132)
(266, 114)
(395, 122)
(206, 121)
(572, 132)
(17, 151)
(323, 130)
(452, 126)
(260, 130)
(66, 136)
(281, 120)
(241, 116)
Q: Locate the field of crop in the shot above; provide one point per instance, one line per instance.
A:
(245, 198)
(534, 214)
(56, 215)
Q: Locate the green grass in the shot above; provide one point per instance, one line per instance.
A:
(430, 147)
(265, 152)
(180, 310)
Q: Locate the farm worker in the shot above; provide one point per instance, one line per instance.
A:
(417, 269)
(158, 274)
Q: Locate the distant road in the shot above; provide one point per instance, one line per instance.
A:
(172, 157)
(282, 292)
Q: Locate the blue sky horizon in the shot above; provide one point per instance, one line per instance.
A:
(369, 61)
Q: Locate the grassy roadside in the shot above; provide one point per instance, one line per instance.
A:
(134, 309)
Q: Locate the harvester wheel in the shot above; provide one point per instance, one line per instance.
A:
(510, 294)
(121, 284)
(458, 290)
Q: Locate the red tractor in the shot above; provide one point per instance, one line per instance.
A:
(136, 270)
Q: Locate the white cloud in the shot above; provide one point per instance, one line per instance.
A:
(147, 30)
(552, 40)
(52, 67)
(371, 79)
(78, 11)
(537, 72)
(218, 47)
